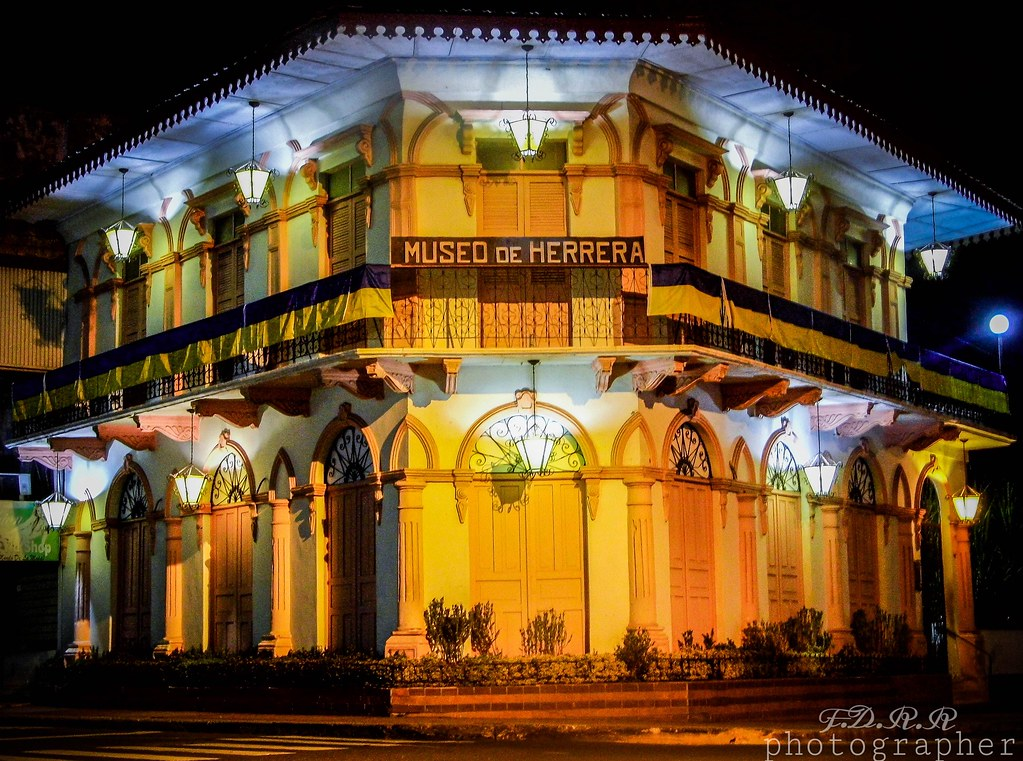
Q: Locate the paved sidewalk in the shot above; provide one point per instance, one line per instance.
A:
(1001, 724)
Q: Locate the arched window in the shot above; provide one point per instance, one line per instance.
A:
(350, 459)
(230, 483)
(782, 471)
(688, 453)
(861, 483)
(133, 502)
(495, 450)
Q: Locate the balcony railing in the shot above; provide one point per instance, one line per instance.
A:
(459, 309)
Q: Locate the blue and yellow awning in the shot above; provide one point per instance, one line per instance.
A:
(346, 297)
(683, 289)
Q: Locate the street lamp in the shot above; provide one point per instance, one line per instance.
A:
(998, 325)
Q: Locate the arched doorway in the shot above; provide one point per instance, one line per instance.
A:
(231, 553)
(132, 573)
(690, 535)
(932, 578)
(351, 545)
(527, 532)
(784, 534)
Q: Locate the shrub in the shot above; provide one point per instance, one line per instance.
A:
(764, 638)
(545, 634)
(637, 653)
(483, 629)
(885, 634)
(805, 632)
(447, 629)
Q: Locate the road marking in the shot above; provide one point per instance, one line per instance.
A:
(363, 740)
(52, 736)
(129, 756)
(229, 750)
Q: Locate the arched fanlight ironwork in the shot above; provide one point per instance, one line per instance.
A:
(782, 470)
(350, 459)
(688, 453)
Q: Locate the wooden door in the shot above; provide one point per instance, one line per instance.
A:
(784, 556)
(132, 618)
(351, 569)
(231, 579)
(691, 559)
(527, 556)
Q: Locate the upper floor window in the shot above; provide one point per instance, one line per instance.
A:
(346, 212)
(133, 300)
(228, 261)
(856, 309)
(680, 213)
(774, 258)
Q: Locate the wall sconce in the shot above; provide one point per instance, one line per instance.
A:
(528, 131)
(250, 178)
(121, 236)
(533, 442)
(56, 508)
(821, 471)
(791, 185)
(189, 481)
(934, 257)
(966, 501)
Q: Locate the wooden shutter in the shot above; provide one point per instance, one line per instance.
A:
(862, 549)
(229, 277)
(679, 229)
(775, 266)
(347, 234)
(545, 214)
(133, 311)
(499, 214)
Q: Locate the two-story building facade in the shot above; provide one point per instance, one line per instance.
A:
(360, 363)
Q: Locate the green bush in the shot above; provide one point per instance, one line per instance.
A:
(637, 653)
(447, 629)
(884, 634)
(805, 632)
(483, 629)
(545, 634)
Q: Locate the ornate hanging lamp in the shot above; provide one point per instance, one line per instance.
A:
(821, 471)
(189, 481)
(967, 500)
(56, 508)
(934, 256)
(121, 236)
(528, 131)
(534, 443)
(791, 186)
(250, 178)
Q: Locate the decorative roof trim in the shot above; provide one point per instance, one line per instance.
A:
(565, 29)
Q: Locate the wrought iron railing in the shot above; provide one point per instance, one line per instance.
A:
(479, 309)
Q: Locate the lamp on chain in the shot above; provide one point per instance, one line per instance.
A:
(534, 443)
(121, 236)
(250, 178)
(528, 131)
(57, 506)
(791, 186)
(934, 256)
(189, 481)
(822, 470)
(966, 501)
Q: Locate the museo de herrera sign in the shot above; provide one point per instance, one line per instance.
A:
(525, 252)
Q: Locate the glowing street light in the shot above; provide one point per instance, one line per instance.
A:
(998, 325)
